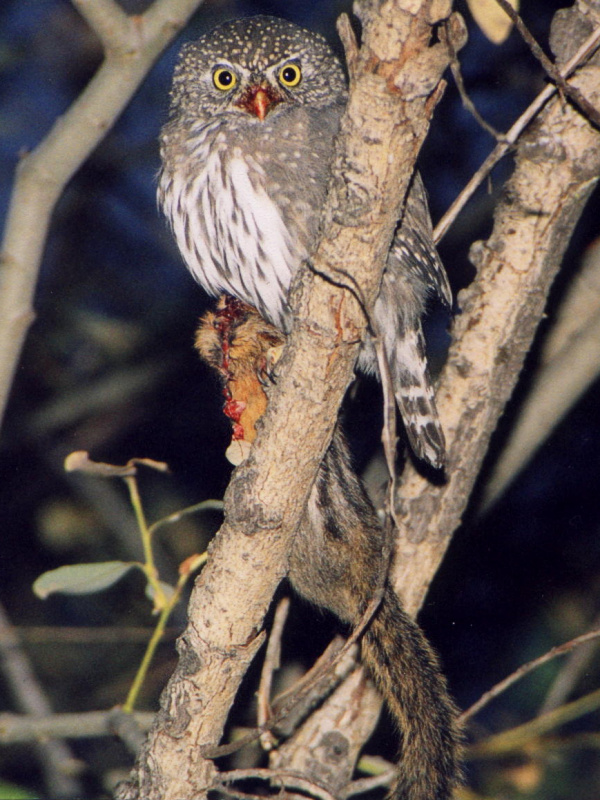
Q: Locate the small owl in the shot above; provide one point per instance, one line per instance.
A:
(246, 160)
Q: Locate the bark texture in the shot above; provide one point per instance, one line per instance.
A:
(393, 79)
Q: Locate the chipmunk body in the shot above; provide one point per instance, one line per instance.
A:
(336, 563)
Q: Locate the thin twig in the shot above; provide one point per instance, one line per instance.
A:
(348, 645)
(469, 104)
(518, 737)
(286, 778)
(362, 785)
(314, 696)
(55, 755)
(231, 791)
(271, 663)
(63, 634)
(176, 516)
(572, 92)
(523, 670)
(584, 52)
(19, 728)
(460, 85)
(570, 673)
(389, 436)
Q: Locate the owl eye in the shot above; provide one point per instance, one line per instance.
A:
(290, 75)
(224, 79)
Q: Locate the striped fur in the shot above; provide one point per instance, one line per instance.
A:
(336, 563)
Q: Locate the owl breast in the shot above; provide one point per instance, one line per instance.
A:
(243, 221)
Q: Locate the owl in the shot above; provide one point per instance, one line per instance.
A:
(246, 160)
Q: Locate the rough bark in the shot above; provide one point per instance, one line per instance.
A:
(557, 166)
(393, 79)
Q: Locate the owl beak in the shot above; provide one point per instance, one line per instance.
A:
(260, 104)
(259, 100)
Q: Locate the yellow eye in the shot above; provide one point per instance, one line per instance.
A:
(224, 79)
(290, 75)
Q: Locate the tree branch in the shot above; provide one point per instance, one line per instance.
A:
(55, 756)
(18, 728)
(392, 86)
(570, 362)
(572, 92)
(557, 166)
(584, 51)
(132, 45)
(500, 314)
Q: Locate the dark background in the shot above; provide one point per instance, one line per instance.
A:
(109, 367)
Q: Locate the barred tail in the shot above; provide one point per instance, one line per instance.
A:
(415, 397)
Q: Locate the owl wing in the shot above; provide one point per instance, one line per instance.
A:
(414, 248)
(413, 274)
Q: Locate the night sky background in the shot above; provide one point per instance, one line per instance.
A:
(109, 367)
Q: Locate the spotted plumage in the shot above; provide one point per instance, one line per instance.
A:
(255, 108)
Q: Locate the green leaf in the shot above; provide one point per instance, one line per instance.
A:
(9, 791)
(493, 21)
(81, 578)
(168, 591)
(205, 505)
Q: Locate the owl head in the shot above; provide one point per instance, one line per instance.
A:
(253, 68)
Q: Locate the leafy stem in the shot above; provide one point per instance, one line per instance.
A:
(157, 592)
(78, 579)
(185, 570)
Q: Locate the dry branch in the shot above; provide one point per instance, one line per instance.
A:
(507, 140)
(500, 314)
(396, 73)
(327, 747)
(131, 44)
(557, 166)
(525, 669)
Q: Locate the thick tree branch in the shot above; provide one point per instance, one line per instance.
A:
(493, 333)
(557, 166)
(396, 74)
(327, 748)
